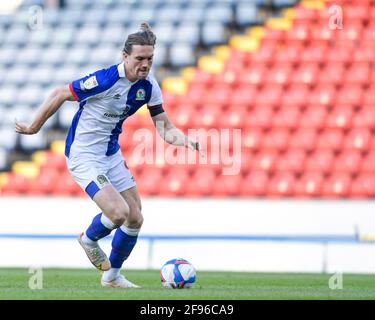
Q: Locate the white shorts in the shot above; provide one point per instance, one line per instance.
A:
(92, 174)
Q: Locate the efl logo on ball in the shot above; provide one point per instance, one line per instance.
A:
(178, 274)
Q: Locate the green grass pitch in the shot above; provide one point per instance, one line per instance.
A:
(85, 284)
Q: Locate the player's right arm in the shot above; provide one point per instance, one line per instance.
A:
(48, 108)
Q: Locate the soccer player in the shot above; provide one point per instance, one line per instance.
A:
(106, 98)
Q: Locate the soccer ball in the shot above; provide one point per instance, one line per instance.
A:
(177, 274)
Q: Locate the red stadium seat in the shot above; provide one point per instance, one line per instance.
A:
(44, 183)
(293, 160)
(274, 34)
(350, 94)
(254, 75)
(208, 117)
(358, 138)
(202, 182)
(15, 185)
(235, 118)
(281, 185)
(227, 185)
(234, 66)
(306, 74)
(265, 160)
(320, 32)
(194, 95)
(254, 184)
(358, 73)
(143, 150)
(315, 53)
(363, 186)
(276, 138)
(287, 117)
(145, 121)
(332, 73)
(244, 95)
(339, 55)
(298, 32)
(305, 15)
(149, 180)
(320, 161)
(365, 118)
(369, 96)
(351, 31)
(323, 95)
(279, 74)
(170, 100)
(202, 78)
(252, 138)
(243, 161)
(288, 54)
(219, 94)
(55, 162)
(369, 34)
(264, 55)
(133, 122)
(296, 95)
(348, 161)
(238, 57)
(365, 54)
(126, 140)
(330, 139)
(368, 163)
(340, 117)
(314, 117)
(310, 184)
(270, 95)
(357, 12)
(174, 183)
(66, 186)
(337, 185)
(228, 78)
(183, 117)
(261, 117)
(304, 138)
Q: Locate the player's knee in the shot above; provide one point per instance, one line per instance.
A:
(119, 215)
(118, 220)
(135, 220)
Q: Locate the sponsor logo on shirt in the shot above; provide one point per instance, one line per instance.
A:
(117, 96)
(90, 83)
(119, 116)
(141, 94)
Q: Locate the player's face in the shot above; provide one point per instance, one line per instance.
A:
(138, 63)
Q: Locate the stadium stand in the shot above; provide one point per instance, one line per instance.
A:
(302, 93)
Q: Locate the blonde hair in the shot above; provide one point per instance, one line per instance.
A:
(144, 37)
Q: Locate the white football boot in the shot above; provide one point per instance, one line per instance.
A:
(119, 282)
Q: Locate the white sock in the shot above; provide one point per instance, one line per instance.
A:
(130, 231)
(107, 222)
(111, 274)
(87, 241)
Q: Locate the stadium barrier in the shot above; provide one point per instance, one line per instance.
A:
(214, 234)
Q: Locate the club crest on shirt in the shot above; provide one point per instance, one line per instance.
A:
(141, 94)
(90, 83)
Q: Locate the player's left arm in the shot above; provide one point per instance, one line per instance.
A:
(168, 131)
